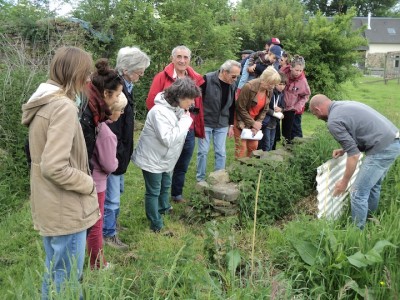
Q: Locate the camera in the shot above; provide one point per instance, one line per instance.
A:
(194, 110)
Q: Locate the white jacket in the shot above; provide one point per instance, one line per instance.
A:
(161, 141)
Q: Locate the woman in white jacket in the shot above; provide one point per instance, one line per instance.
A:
(161, 143)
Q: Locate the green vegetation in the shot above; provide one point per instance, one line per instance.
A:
(304, 258)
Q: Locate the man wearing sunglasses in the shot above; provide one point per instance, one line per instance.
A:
(219, 105)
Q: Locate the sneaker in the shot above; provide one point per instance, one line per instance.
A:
(115, 242)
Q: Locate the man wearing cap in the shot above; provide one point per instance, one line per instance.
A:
(258, 61)
(359, 128)
(264, 60)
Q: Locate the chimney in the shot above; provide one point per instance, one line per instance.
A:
(369, 21)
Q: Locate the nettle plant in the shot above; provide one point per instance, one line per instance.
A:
(282, 184)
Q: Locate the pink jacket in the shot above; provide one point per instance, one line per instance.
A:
(104, 157)
(297, 91)
(163, 80)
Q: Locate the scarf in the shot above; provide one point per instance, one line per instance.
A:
(97, 105)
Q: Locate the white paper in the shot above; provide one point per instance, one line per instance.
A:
(247, 134)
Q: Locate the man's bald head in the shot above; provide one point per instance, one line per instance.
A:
(319, 106)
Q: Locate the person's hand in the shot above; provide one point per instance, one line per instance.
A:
(257, 125)
(251, 69)
(337, 153)
(277, 109)
(340, 188)
(254, 131)
(230, 132)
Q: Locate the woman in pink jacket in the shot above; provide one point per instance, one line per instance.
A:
(297, 93)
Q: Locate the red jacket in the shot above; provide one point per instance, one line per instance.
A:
(163, 80)
(297, 91)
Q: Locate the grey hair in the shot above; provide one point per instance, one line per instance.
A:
(182, 88)
(131, 59)
(227, 66)
(181, 47)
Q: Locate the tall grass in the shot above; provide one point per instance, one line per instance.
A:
(212, 261)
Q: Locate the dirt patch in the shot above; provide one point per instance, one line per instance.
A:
(306, 206)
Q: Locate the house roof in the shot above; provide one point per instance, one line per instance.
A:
(383, 30)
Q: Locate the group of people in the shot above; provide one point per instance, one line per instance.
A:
(287, 99)
(81, 140)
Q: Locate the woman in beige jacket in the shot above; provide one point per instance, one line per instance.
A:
(63, 194)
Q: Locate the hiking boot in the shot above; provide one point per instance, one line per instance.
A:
(115, 242)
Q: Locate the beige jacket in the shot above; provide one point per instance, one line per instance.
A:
(63, 195)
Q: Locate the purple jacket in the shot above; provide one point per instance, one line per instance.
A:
(104, 157)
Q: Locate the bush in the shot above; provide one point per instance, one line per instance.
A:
(18, 78)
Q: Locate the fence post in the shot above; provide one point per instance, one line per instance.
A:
(385, 70)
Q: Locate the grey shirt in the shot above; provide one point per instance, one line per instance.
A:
(359, 128)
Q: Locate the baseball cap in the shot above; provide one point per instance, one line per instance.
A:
(274, 41)
(277, 50)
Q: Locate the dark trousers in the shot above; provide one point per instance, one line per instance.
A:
(287, 124)
(277, 134)
(182, 165)
(296, 127)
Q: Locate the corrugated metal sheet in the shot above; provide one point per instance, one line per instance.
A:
(327, 176)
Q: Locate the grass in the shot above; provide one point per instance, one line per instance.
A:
(193, 264)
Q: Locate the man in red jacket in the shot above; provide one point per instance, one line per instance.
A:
(178, 68)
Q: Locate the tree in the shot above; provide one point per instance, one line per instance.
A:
(274, 18)
(329, 47)
(362, 7)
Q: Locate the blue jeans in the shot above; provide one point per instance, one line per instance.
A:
(296, 127)
(156, 197)
(219, 139)
(115, 187)
(365, 191)
(182, 165)
(65, 255)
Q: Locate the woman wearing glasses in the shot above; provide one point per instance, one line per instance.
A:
(131, 65)
(297, 93)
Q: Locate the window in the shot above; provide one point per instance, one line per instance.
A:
(391, 31)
